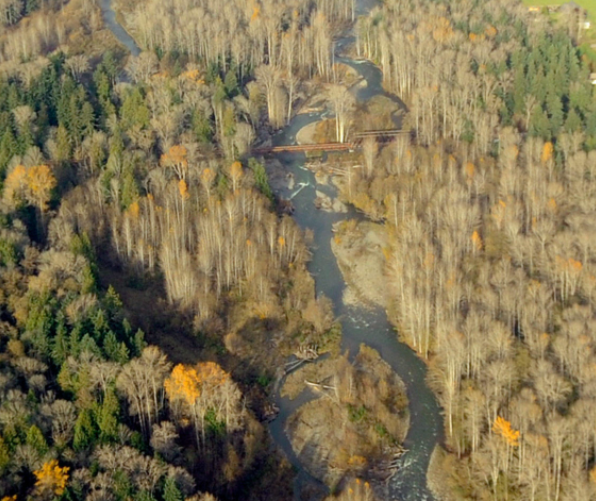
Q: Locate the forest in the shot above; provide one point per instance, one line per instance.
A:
(495, 191)
(135, 171)
(150, 282)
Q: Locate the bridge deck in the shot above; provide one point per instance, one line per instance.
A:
(382, 136)
(306, 147)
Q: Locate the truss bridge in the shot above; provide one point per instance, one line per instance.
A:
(354, 142)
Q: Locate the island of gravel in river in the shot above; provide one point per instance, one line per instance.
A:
(356, 425)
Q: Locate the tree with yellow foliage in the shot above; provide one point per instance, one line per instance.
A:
(205, 393)
(503, 428)
(51, 479)
(175, 159)
(14, 185)
(235, 175)
(40, 183)
(31, 185)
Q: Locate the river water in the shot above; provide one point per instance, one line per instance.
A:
(359, 325)
(109, 19)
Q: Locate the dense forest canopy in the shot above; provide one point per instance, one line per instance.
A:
(140, 170)
(144, 171)
(496, 192)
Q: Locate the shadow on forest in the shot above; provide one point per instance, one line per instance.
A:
(147, 309)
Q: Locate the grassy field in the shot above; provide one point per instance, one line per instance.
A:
(589, 5)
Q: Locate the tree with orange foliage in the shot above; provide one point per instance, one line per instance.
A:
(51, 479)
(442, 31)
(204, 392)
(235, 174)
(355, 490)
(503, 428)
(470, 169)
(183, 190)
(183, 389)
(207, 177)
(547, 152)
(477, 241)
(183, 384)
(176, 159)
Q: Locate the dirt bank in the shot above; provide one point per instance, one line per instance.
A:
(438, 475)
(358, 247)
(306, 135)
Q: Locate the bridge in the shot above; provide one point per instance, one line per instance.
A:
(355, 142)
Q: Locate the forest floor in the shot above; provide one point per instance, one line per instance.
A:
(358, 248)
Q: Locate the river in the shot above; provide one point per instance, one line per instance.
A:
(109, 19)
(359, 324)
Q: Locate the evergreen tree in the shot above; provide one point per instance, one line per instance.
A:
(202, 127)
(36, 440)
(539, 124)
(108, 417)
(133, 111)
(231, 83)
(171, 491)
(555, 112)
(60, 343)
(261, 180)
(85, 430)
(64, 145)
(573, 122)
(112, 348)
(8, 148)
(139, 342)
(89, 345)
(5, 456)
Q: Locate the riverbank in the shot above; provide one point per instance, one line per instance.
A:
(363, 319)
(438, 475)
(358, 422)
(358, 247)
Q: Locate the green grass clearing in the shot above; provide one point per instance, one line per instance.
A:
(589, 5)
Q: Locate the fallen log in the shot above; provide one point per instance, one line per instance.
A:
(319, 385)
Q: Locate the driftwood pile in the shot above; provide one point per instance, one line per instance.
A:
(387, 468)
(270, 412)
(304, 353)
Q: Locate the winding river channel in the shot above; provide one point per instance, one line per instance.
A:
(359, 324)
